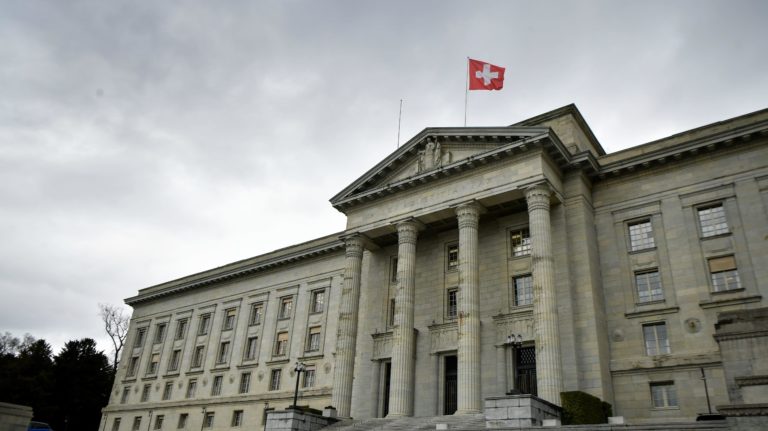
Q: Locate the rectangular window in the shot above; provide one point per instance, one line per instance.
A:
(641, 236)
(223, 355)
(523, 290)
(453, 303)
(160, 332)
(723, 273)
(656, 340)
(237, 418)
(286, 307)
(208, 421)
(191, 388)
(274, 380)
(133, 365)
(173, 363)
(204, 325)
(197, 358)
(153, 361)
(318, 301)
(116, 424)
(216, 386)
(136, 423)
(712, 220)
(251, 348)
(181, 328)
(313, 340)
(168, 391)
(159, 421)
(256, 311)
(281, 346)
(145, 393)
(309, 378)
(648, 286)
(453, 257)
(393, 271)
(140, 334)
(182, 421)
(392, 312)
(245, 383)
(229, 319)
(124, 396)
(663, 394)
(521, 242)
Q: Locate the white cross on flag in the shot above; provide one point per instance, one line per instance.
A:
(485, 76)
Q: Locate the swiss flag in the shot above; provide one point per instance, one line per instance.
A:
(485, 76)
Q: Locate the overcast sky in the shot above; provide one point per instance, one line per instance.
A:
(146, 140)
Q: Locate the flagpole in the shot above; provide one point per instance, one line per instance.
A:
(466, 93)
(399, 118)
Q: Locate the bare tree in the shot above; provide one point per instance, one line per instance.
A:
(116, 326)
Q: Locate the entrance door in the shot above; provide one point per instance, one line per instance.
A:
(385, 401)
(525, 376)
(451, 385)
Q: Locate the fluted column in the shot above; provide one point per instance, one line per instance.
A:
(347, 333)
(469, 400)
(402, 378)
(548, 373)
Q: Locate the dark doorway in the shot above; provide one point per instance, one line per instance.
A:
(451, 385)
(385, 401)
(525, 365)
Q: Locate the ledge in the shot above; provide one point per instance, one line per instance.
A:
(743, 409)
(244, 366)
(651, 312)
(752, 380)
(278, 361)
(732, 301)
(311, 357)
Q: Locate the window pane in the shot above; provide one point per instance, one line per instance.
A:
(712, 221)
(648, 286)
(521, 242)
(641, 236)
(523, 290)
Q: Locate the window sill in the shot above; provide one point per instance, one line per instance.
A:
(720, 235)
(311, 357)
(278, 361)
(651, 312)
(195, 372)
(725, 292)
(662, 409)
(248, 365)
(221, 366)
(647, 303)
(643, 250)
(150, 377)
(731, 301)
(519, 256)
(254, 324)
(171, 373)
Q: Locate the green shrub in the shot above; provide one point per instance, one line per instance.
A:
(581, 408)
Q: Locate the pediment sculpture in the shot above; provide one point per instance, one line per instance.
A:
(432, 156)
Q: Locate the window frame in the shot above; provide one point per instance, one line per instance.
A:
(638, 275)
(167, 391)
(245, 383)
(159, 419)
(255, 317)
(204, 324)
(145, 392)
(315, 306)
(217, 384)
(141, 334)
(237, 419)
(525, 246)
(222, 356)
(251, 341)
(182, 325)
(191, 389)
(281, 345)
(274, 379)
(208, 419)
(639, 241)
(452, 310)
(153, 364)
(312, 337)
(160, 332)
(526, 293)
(309, 382)
(730, 272)
(662, 346)
(451, 263)
(286, 308)
(174, 362)
(198, 356)
(665, 389)
(116, 423)
(136, 423)
(182, 422)
(230, 319)
(712, 229)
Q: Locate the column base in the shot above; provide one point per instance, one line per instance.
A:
(397, 415)
(468, 412)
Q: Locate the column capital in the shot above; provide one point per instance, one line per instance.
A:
(408, 231)
(538, 196)
(354, 245)
(468, 214)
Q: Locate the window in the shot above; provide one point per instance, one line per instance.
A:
(168, 391)
(182, 421)
(136, 423)
(309, 378)
(318, 301)
(124, 396)
(393, 271)
(281, 346)
(229, 319)
(216, 386)
(208, 421)
(453, 257)
(723, 273)
(648, 286)
(712, 220)
(286, 306)
(392, 312)
(133, 364)
(191, 388)
(205, 323)
(656, 341)
(663, 394)
(116, 424)
(641, 236)
(313, 340)
(140, 334)
(159, 421)
(251, 348)
(245, 383)
(145, 393)
(274, 380)
(153, 361)
(181, 328)
(160, 332)
(223, 355)
(523, 286)
(520, 240)
(197, 359)
(453, 303)
(237, 418)
(173, 363)
(256, 311)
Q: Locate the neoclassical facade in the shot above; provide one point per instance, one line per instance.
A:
(476, 261)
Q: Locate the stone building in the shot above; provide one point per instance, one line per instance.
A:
(476, 261)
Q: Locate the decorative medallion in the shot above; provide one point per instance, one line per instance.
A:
(692, 325)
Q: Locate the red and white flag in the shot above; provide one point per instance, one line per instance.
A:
(485, 76)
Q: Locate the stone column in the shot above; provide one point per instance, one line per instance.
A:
(403, 346)
(346, 337)
(548, 373)
(469, 399)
